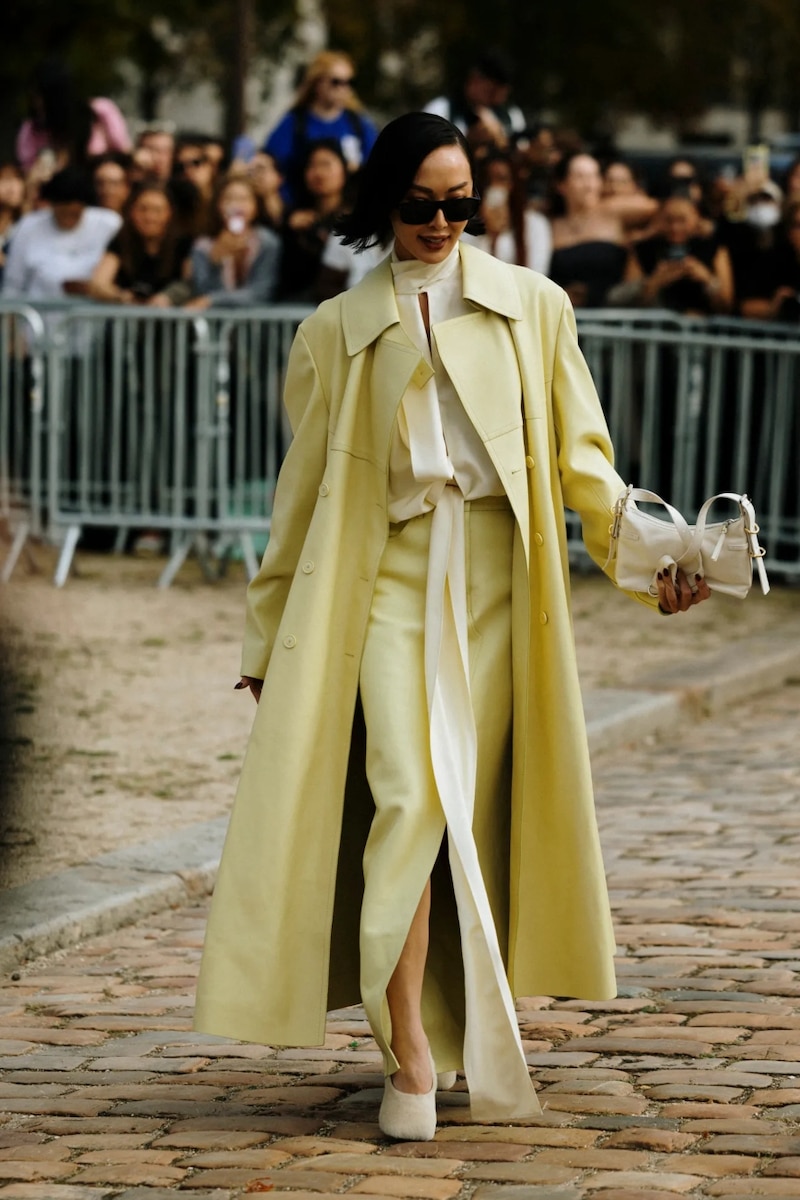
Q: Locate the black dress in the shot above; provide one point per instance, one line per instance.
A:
(598, 266)
(147, 274)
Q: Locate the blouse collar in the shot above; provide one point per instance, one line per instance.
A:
(412, 276)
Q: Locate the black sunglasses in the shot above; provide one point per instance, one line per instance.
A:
(338, 82)
(183, 163)
(422, 212)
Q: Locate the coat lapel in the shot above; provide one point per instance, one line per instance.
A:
(488, 385)
(488, 382)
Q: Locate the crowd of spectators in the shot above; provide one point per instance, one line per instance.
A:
(165, 220)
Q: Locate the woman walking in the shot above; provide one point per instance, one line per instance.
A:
(414, 825)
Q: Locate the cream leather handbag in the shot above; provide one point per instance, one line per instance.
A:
(723, 552)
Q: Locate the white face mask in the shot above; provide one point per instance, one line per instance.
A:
(763, 215)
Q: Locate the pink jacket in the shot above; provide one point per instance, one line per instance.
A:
(109, 132)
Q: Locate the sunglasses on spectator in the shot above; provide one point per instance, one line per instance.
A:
(336, 81)
(422, 212)
(183, 163)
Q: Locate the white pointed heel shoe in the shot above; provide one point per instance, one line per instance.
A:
(446, 1080)
(409, 1116)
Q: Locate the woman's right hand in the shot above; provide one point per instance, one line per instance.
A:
(255, 686)
(227, 245)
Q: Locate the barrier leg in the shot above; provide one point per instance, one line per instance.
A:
(182, 546)
(66, 556)
(19, 540)
(249, 554)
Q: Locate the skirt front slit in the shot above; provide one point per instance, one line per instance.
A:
(417, 768)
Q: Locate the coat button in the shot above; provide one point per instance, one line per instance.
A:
(290, 641)
(307, 567)
(543, 618)
(324, 490)
(529, 463)
(537, 537)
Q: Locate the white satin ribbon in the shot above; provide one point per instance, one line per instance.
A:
(494, 1061)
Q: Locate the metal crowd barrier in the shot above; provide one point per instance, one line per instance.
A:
(22, 446)
(140, 419)
(696, 410)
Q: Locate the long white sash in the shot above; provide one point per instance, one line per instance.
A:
(494, 1061)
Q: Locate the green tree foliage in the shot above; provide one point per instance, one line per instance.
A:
(590, 62)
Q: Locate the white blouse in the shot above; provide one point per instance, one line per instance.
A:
(435, 443)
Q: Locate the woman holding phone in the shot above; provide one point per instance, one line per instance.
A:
(238, 265)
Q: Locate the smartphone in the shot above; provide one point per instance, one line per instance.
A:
(675, 253)
(756, 161)
(495, 196)
(236, 223)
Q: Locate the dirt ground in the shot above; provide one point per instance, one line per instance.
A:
(121, 722)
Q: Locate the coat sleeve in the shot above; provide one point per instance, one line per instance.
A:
(590, 485)
(295, 497)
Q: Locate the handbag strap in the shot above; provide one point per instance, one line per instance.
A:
(678, 520)
(751, 530)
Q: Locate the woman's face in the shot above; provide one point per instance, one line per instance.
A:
(150, 214)
(680, 220)
(111, 185)
(264, 174)
(335, 89)
(237, 200)
(583, 184)
(12, 190)
(618, 180)
(325, 174)
(444, 175)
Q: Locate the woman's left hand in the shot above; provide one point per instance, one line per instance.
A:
(683, 593)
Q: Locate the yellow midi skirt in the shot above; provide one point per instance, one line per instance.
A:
(408, 839)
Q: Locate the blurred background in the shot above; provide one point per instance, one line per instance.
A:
(663, 73)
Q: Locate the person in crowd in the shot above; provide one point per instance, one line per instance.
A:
(65, 123)
(755, 245)
(267, 180)
(55, 249)
(12, 205)
(238, 264)
(342, 267)
(681, 269)
(195, 185)
(791, 184)
(785, 300)
(154, 155)
(589, 253)
(514, 231)
(111, 179)
(683, 175)
(537, 153)
(308, 226)
(481, 108)
(144, 263)
(326, 109)
(414, 825)
(619, 179)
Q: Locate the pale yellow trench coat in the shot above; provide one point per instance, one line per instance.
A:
(282, 941)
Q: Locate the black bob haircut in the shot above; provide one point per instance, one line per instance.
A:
(389, 172)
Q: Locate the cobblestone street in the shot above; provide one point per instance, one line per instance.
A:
(687, 1084)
